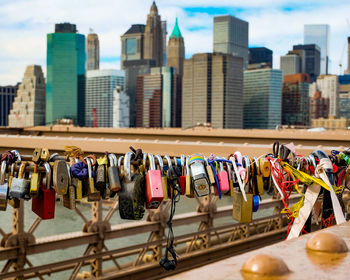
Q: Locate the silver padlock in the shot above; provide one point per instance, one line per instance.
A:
(20, 186)
(4, 187)
(199, 175)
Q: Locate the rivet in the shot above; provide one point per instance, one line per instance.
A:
(327, 242)
(267, 265)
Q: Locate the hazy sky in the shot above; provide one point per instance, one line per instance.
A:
(276, 24)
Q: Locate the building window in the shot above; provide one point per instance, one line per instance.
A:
(131, 46)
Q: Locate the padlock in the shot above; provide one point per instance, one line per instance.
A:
(189, 186)
(238, 177)
(34, 182)
(60, 177)
(113, 174)
(4, 187)
(45, 155)
(169, 165)
(14, 202)
(131, 196)
(101, 174)
(78, 184)
(154, 188)
(210, 172)
(199, 176)
(93, 194)
(223, 179)
(241, 170)
(36, 155)
(259, 177)
(242, 210)
(230, 179)
(246, 166)
(164, 177)
(20, 186)
(44, 204)
(182, 178)
(69, 198)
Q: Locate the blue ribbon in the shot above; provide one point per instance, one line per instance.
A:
(255, 203)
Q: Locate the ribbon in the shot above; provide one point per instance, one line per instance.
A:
(320, 172)
(80, 171)
(311, 195)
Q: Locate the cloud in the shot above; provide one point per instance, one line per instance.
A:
(278, 26)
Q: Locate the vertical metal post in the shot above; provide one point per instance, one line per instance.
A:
(18, 230)
(96, 217)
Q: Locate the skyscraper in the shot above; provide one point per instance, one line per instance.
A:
(176, 50)
(262, 95)
(153, 37)
(164, 33)
(65, 88)
(7, 95)
(231, 37)
(212, 91)
(133, 68)
(290, 64)
(120, 107)
(319, 34)
(312, 59)
(328, 86)
(28, 108)
(260, 55)
(156, 101)
(132, 44)
(93, 51)
(100, 85)
(295, 99)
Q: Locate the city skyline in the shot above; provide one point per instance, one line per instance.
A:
(23, 24)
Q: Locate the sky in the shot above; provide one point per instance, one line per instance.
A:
(275, 24)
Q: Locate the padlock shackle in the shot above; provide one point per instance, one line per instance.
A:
(187, 165)
(152, 164)
(144, 161)
(127, 164)
(183, 160)
(313, 161)
(120, 160)
(48, 175)
(112, 160)
(21, 169)
(160, 161)
(88, 161)
(168, 159)
(229, 170)
(3, 172)
(69, 176)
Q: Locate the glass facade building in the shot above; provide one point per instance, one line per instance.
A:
(319, 34)
(262, 95)
(260, 55)
(65, 88)
(7, 95)
(100, 85)
(311, 58)
(231, 37)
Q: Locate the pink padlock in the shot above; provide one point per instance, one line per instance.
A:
(223, 179)
(154, 187)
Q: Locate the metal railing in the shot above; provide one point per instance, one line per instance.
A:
(208, 243)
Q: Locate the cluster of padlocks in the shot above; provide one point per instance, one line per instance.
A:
(142, 181)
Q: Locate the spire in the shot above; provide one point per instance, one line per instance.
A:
(154, 9)
(176, 31)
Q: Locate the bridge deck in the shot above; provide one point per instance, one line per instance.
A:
(302, 264)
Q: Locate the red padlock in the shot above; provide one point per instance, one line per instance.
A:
(154, 187)
(44, 204)
(182, 178)
(223, 179)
